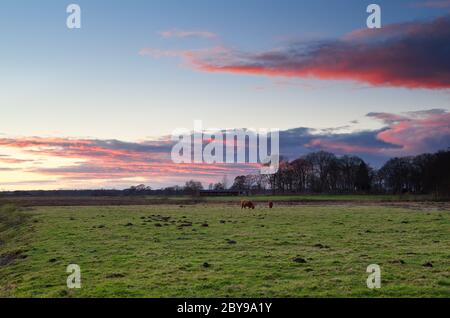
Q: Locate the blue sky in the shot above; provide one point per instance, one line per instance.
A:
(62, 77)
(93, 83)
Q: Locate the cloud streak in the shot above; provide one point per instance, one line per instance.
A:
(405, 134)
(187, 34)
(115, 160)
(411, 55)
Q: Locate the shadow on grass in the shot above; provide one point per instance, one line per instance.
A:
(11, 220)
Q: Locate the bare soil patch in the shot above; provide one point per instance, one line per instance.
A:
(9, 258)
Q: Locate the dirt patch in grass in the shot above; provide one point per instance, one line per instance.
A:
(115, 275)
(299, 260)
(9, 258)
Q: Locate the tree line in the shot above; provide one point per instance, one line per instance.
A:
(324, 172)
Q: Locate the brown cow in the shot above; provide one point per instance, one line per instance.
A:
(247, 205)
(270, 204)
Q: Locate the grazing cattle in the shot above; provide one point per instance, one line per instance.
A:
(270, 204)
(247, 205)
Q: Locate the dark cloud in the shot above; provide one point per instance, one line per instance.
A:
(412, 55)
(405, 134)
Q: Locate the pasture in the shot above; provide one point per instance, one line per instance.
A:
(185, 199)
(219, 250)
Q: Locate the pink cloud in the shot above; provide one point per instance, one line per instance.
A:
(341, 147)
(417, 130)
(412, 55)
(411, 133)
(9, 160)
(187, 34)
(113, 159)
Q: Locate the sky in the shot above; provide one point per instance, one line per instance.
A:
(93, 107)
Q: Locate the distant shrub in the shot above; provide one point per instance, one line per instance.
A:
(8, 208)
(10, 216)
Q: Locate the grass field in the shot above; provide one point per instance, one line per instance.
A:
(221, 251)
(184, 199)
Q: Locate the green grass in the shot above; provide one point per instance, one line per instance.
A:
(144, 260)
